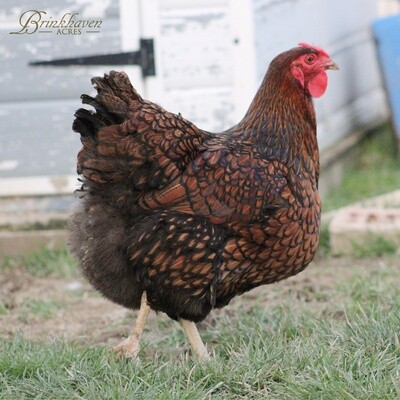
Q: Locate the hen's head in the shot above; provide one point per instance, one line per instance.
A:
(307, 64)
(309, 69)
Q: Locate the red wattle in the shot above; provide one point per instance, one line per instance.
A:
(317, 86)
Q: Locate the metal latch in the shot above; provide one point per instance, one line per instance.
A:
(144, 57)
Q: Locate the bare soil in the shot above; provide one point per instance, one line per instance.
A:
(52, 307)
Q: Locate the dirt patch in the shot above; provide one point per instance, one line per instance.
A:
(45, 308)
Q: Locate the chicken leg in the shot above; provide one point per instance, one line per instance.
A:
(194, 338)
(131, 345)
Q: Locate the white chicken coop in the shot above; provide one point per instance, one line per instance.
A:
(209, 58)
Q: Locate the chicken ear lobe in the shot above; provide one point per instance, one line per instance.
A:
(317, 85)
(298, 74)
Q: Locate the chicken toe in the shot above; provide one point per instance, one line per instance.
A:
(128, 348)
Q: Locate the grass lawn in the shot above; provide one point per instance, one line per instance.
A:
(331, 332)
(375, 170)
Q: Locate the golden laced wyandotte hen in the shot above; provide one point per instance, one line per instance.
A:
(176, 219)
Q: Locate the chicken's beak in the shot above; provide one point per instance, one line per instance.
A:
(331, 65)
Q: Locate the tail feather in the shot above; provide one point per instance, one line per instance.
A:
(102, 158)
(115, 92)
(117, 84)
(103, 114)
(87, 123)
(130, 141)
(112, 103)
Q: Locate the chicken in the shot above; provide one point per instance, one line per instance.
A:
(176, 219)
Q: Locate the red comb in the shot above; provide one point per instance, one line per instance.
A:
(316, 48)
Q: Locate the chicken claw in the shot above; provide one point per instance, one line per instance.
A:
(128, 348)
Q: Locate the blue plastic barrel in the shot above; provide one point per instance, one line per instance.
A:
(387, 35)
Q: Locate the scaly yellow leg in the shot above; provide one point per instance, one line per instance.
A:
(131, 345)
(194, 338)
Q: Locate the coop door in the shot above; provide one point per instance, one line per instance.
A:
(194, 57)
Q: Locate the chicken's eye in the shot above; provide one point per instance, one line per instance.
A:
(310, 59)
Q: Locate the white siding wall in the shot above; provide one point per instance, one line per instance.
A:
(37, 144)
(388, 7)
(195, 61)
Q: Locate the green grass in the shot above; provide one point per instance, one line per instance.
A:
(277, 354)
(345, 346)
(36, 226)
(42, 308)
(374, 246)
(324, 246)
(375, 170)
(43, 263)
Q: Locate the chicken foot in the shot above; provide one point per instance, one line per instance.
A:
(194, 338)
(131, 345)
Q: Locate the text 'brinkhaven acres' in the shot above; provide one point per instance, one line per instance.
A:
(34, 21)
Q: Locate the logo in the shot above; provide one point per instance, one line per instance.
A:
(34, 21)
